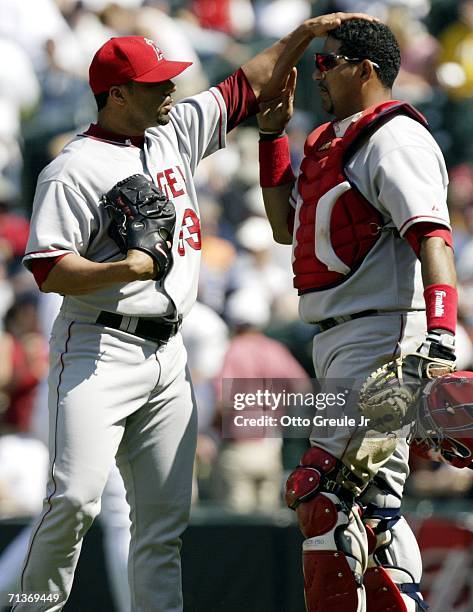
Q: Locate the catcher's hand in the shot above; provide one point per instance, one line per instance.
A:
(389, 396)
(142, 218)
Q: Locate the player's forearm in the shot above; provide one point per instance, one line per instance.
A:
(439, 277)
(75, 275)
(268, 70)
(276, 204)
(437, 263)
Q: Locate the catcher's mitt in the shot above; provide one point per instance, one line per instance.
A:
(390, 395)
(142, 218)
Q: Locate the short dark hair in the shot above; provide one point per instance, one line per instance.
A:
(371, 40)
(101, 100)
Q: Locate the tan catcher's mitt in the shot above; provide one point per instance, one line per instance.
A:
(390, 395)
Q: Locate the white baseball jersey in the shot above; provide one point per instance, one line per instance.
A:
(68, 216)
(401, 171)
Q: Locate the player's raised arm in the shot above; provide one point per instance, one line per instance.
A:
(276, 176)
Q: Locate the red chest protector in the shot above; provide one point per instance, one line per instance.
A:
(336, 225)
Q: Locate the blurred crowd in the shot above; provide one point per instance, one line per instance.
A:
(245, 324)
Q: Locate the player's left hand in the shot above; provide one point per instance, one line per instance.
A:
(389, 396)
(142, 219)
(141, 265)
(274, 114)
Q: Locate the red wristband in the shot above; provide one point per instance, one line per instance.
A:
(441, 307)
(275, 162)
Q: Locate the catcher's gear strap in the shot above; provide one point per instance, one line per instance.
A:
(373, 119)
(388, 517)
(412, 590)
(329, 583)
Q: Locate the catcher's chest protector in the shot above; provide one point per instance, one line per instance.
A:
(336, 225)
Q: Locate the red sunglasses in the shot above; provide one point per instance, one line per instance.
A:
(328, 61)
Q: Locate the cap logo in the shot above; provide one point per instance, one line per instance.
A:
(157, 50)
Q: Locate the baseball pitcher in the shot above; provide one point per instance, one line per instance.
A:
(116, 230)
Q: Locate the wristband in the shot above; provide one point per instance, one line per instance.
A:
(441, 307)
(271, 135)
(275, 162)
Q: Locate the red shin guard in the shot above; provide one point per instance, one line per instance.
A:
(329, 584)
(382, 595)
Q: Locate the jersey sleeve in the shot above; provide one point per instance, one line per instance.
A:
(411, 182)
(417, 232)
(200, 123)
(240, 100)
(61, 222)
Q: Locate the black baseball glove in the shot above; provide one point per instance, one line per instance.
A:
(142, 218)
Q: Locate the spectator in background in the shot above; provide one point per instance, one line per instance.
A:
(205, 337)
(276, 19)
(23, 459)
(19, 95)
(255, 267)
(438, 479)
(248, 470)
(455, 74)
(234, 17)
(460, 199)
(218, 257)
(14, 228)
(154, 23)
(419, 52)
(456, 65)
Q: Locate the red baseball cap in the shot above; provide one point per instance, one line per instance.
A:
(131, 58)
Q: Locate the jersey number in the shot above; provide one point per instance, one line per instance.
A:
(190, 232)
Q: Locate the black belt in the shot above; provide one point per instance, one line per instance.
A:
(333, 321)
(150, 329)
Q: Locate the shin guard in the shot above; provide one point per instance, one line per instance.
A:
(395, 565)
(335, 551)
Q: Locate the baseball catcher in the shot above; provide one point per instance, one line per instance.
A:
(142, 218)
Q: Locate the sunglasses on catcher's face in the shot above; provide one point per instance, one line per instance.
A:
(328, 61)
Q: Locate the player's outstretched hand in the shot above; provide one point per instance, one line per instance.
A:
(321, 26)
(275, 113)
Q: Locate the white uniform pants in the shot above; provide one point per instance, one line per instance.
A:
(353, 350)
(111, 393)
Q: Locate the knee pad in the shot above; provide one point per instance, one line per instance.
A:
(335, 550)
(395, 564)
